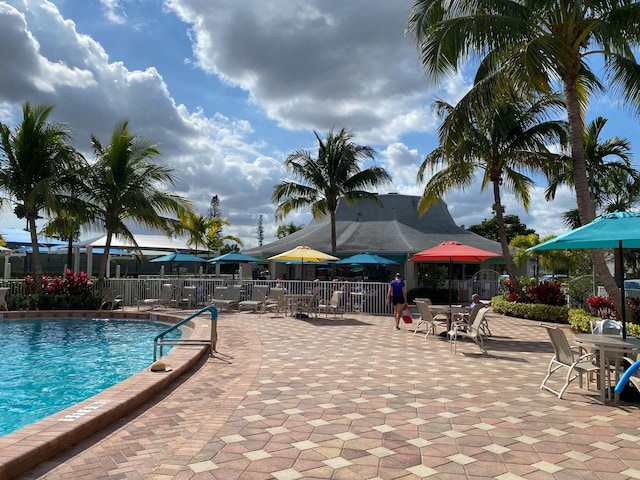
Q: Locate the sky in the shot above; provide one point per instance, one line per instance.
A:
(227, 89)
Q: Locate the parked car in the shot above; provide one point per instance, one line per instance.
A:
(559, 277)
(632, 284)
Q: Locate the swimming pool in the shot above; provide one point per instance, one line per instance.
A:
(49, 365)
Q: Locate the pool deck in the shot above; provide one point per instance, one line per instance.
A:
(352, 398)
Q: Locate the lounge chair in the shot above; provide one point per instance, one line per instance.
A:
(568, 359)
(258, 298)
(230, 299)
(3, 298)
(109, 300)
(473, 332)
(275, 301)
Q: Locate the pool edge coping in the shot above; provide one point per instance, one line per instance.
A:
(33, 444)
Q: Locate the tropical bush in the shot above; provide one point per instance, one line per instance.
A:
(534, 311)
(69, 292)
(546, 293)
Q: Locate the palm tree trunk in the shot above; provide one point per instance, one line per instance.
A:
(35, 254)
(502, 232)
(586, 208)
(334, 240)
(105, 258)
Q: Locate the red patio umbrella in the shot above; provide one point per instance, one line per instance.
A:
(452, 251)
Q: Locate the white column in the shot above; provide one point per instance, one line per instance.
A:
(7, 267)
(90, 261)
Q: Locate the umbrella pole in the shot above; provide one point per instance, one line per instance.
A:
(623, 307)
(450, 291)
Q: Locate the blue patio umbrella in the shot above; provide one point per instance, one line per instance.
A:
(178, 257)
(234, 257)
(366, 259)
(617, 230)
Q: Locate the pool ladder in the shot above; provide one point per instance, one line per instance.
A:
(160, 341)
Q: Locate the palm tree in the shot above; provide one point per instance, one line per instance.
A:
(536, 44)
(613, 184)
(202, 229)
(36, 167)
(323, 181)
(125, 185)
(502, 140)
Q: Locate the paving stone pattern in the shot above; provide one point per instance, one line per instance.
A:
(353, 398)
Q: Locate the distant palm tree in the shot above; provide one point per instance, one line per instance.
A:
(323, 181)
(201, 229)
(613, 184)
(536, 45)
(125, 185)
(500, 141)
(36, 168)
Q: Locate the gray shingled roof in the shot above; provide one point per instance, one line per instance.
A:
(393, 229)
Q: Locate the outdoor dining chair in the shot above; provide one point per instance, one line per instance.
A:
(473, 332)
(427, 319)
(567, 359)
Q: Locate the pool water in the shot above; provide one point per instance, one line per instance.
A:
(49, 365)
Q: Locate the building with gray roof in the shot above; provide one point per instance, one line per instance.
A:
(393, 230)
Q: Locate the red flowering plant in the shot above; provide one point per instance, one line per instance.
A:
(70, 291)
(547, 293)
(603, 307)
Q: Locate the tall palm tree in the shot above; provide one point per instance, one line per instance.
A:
(614, 185)
(322, 181)
(501, 141)
(537, 44)
(125, 185)
(36, 168)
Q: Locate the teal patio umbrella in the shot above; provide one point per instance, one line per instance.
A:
(617, 230)
(178, 258)
(366, 259)
(234, 258)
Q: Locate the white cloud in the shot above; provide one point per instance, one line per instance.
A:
(276, 71)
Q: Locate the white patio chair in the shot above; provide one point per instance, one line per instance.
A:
(427, 319)
(332, 305)
(568, 359)
(472, 332)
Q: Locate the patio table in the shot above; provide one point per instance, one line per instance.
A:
(450, 311)
(607, 344)
(298, 303)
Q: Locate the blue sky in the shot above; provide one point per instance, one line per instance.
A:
(228, 89)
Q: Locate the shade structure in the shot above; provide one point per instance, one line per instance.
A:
(617, 230)
(450, 252)
(366, 259)
(304, 254)
(234, 257)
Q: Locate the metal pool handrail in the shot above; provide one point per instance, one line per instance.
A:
(160, 341)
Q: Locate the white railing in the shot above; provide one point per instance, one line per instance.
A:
(368, 297)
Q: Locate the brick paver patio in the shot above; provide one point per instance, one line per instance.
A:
(352, 398)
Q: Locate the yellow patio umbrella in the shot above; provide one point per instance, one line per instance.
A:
(304, 254)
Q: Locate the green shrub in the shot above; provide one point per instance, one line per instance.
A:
(532, 311)
(580, 320)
